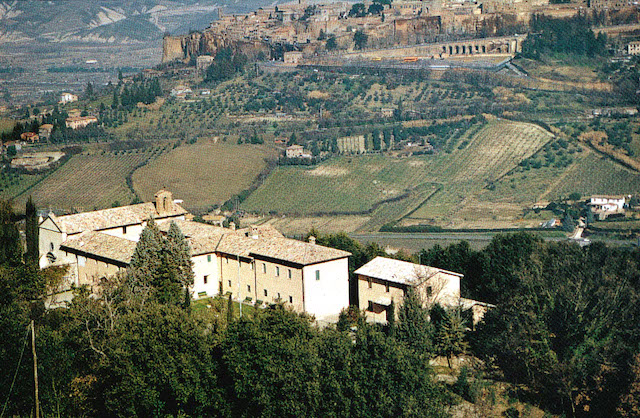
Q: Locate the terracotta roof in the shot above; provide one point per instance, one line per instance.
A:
(112, 218)
(398, 271)
(101, 245)
(203, 238)
(283, 249)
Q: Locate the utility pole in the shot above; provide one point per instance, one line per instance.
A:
(35, 367)
(239, 297)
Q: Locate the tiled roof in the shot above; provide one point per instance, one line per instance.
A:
(206, 239)
(398, 271)
(279, 248)
(102, 245)
(112, 218)
(203, 238)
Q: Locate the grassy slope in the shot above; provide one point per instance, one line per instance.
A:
(350, 184)
(203, 174)
(89, 181)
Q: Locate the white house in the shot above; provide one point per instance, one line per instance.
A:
(256, 265)
(385, 281)
(68, 98)
(611, 204)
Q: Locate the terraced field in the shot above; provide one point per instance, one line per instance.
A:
(89, 181)
(419, 188)
(203, 174)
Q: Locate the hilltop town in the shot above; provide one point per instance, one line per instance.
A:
(316, 29)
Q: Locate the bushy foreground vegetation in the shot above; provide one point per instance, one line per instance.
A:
(564, 333)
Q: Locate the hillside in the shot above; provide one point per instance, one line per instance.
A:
(484, 182)
(104, 20)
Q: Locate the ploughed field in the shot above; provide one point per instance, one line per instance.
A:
(90, 180)
(203, 174)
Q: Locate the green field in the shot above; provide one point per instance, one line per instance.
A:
(442, 181)
(88, 181)
(203, 174)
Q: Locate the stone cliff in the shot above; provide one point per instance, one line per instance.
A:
(185, 47)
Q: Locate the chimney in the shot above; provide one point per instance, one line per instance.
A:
(312, 240)
(254, 232)
(232, 226)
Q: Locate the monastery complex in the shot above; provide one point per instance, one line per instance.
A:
(255, 265)
(252, 264)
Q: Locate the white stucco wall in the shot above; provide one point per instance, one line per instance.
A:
(132, 232)
(325, 298)
(203, 267)
(50, 239)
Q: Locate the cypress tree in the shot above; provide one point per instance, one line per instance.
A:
(146, 261)
(413, 326)
(179, 255)
(10, 245)
(31, 229)
(229, 310)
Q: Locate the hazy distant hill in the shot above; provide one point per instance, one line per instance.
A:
(113, 21)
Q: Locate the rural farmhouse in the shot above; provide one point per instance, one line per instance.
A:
(384, 281)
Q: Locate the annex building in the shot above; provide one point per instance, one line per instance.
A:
(385, 281)
(256, 264)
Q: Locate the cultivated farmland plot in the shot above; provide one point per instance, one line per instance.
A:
(396, 187)
(89, 181)
(203, 174)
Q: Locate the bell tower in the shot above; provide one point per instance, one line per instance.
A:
(164, 202)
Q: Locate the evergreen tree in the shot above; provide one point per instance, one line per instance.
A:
(450, 336)
(413, 326)
(146, 261)
(179, 254)
(31, 230)
(10, 245)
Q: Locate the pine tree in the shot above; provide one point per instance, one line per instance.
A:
(414, 327)
(31, 230)
(450, 336)
(179, 253)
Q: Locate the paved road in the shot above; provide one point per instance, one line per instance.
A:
(412, 241)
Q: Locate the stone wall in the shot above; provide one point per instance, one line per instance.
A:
(184, 47)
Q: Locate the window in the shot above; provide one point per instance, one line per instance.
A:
(290, 299)
(370, 307)
(51, 247)
(248, 288)
(277, 271)
(124, 229)
(429, 291)
(229, 283)
(370, 282)
(227, 258)
(264, 268)
(317, 274)
(205, 279)
(289, 273)
(386, 287)
(265, 292)
(208, 258)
